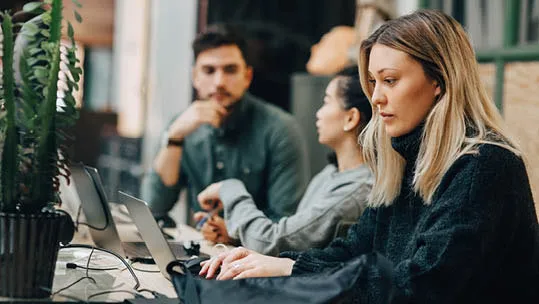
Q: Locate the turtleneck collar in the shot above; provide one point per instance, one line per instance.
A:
(408, 145)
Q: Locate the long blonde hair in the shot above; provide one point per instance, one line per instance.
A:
(441, 46)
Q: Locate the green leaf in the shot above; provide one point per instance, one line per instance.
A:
(70, 31)
(30, 28)
(33, 7)
(77, 16)
(41, 72)
(45, 33)
(34, 51)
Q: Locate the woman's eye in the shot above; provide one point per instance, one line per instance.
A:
(372, 81)
(390, 80)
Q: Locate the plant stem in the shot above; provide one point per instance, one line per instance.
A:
(9, 156)
(47, 139)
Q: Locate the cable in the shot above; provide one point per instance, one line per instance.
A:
(137, 292)
(142, 270)
(65, 296)
(137, 283)
(74, 266)
(72, 284)
(88, 262)
(102, 198)
(80, 279)
(136, 295)
(77, 223)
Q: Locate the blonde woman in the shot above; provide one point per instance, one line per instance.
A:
(451, 206)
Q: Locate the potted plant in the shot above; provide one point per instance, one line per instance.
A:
(33, 134)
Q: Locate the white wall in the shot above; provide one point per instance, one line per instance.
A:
(173, 27)
(130, 53)
(406, 6)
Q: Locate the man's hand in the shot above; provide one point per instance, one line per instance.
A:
(214, 230)
(242, 263)
(198, 113)
(209, 198)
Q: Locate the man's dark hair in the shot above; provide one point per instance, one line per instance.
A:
(218, 35)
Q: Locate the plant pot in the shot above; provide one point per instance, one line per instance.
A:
(29, 246)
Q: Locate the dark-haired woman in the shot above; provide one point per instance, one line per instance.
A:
(337, 194)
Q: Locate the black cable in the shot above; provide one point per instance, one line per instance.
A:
(103, 200)
(142, 270)
(137, 283)
(127, 265)
(65, 296)
(74, 266)
(155, 294)
(136, 295)
(88, 262)
(77, 223)
(72, 284)
(80, 279)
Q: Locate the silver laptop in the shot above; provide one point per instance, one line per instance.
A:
(151, 234)
(99, 218)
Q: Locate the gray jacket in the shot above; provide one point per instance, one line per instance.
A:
(331, 197)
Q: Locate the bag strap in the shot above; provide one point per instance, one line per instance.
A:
(175, 263)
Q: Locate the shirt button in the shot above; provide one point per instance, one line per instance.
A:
(220, 165)
(246, 170)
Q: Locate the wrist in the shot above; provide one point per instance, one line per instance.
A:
(170, 140)
(174, 142)
(288, 266)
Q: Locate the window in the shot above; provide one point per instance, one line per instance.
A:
(484, 23)
(529, 22)
(454, 8)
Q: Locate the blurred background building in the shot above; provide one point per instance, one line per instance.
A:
(137, 65)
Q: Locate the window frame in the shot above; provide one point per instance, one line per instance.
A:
(511, 49)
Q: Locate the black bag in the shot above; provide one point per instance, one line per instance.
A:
(341, 284)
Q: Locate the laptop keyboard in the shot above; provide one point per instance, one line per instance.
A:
(139, 249)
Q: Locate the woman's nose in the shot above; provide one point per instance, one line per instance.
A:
(317, 115)
(378, 97)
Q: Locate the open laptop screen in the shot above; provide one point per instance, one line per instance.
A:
(149, 230)
(96, 208)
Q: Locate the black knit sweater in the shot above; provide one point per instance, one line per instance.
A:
(478, 242)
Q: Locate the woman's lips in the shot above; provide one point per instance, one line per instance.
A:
(386, 116)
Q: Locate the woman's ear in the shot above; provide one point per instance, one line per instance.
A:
(351, 119)
(437, 90)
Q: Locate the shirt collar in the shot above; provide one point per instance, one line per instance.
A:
(237, 117)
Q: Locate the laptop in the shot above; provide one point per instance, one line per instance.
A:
(99, 218)
(151, 234)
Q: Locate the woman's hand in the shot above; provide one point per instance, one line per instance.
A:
(209, 198)
(242, 263)
(213, 229)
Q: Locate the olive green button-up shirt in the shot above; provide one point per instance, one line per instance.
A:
(259, 144)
